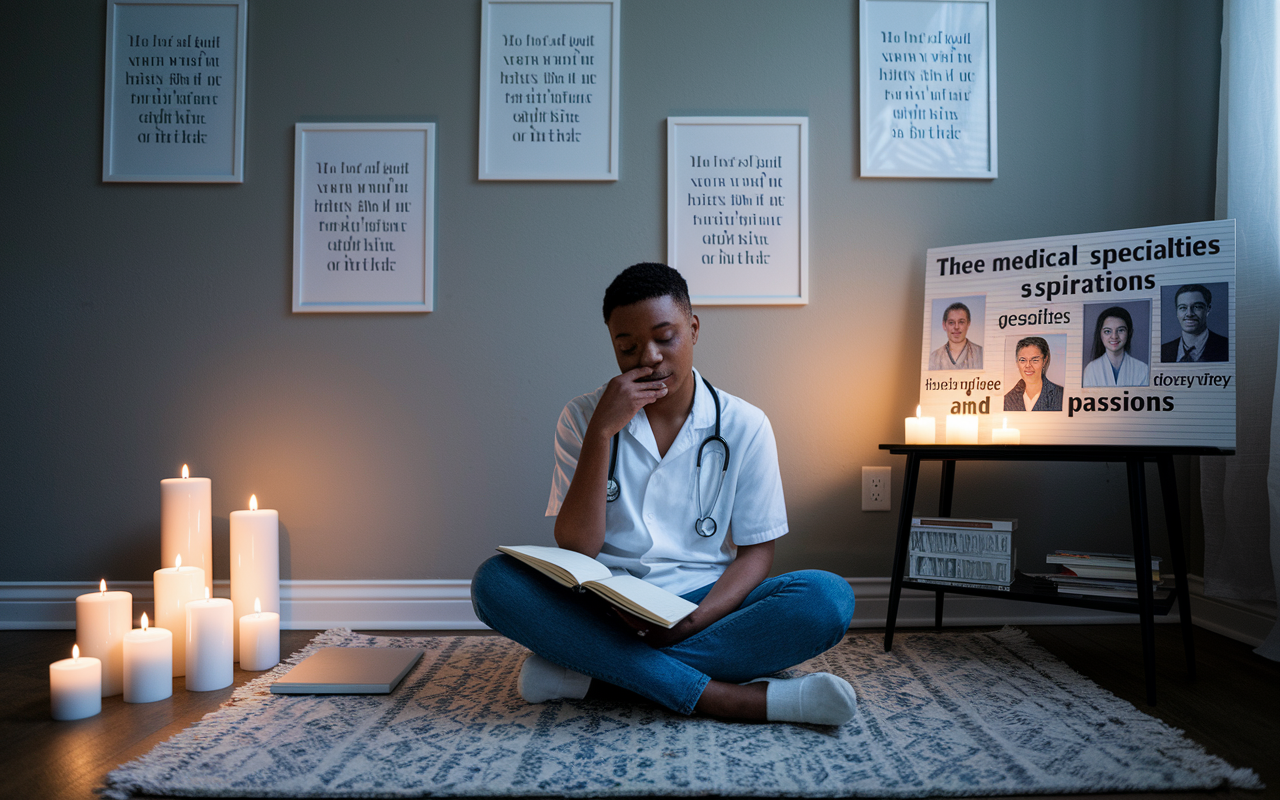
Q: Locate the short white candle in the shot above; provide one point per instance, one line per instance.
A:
(175, 587)
(75, 686)
(255, 563)
(102, 620)
(259, 639)
(1005, 435)
(185, 522)
(921, 430)
(148, 664)
(209, 661)
(962, 429)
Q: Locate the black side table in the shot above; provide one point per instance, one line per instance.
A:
(1134, 457)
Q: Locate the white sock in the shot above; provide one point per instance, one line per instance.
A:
(819, 698)
(540, 681)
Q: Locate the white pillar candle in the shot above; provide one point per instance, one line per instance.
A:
(259, 639)
(921, 430)
(1005, 435)
(255, 562)
(102, 619)
(186, 523)
(210, 664)
(148, 664)
(175, 587)
(962, 429)
(75, 686)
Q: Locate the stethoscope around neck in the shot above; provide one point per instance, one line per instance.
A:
(705, 525)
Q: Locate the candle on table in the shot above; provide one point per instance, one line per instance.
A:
(921, 430)
(259, 639)
(962, 429)
(255, 563)
(1005, 435)
(175, 587)
(102, 619)
(148, 664)
(185, 522)
(75, 686)
(209, 661)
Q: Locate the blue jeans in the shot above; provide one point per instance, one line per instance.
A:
(784, 621)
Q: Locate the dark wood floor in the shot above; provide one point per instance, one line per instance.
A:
(1233, 709)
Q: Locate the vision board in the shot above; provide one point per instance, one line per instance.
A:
(1120, 337)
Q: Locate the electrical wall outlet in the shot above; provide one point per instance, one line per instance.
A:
(875, 488)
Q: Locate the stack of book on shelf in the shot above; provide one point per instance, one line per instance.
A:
(1099, 574)
(949, 551)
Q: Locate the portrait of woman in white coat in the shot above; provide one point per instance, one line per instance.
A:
(1113, 364)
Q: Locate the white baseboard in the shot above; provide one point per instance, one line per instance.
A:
(1245, 622)
(446, 605)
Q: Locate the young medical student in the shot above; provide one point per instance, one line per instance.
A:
(677, 526)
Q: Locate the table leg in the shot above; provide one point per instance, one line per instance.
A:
(1173, 519)
(909, 481)
(948, 488)
(1142, 569)
(937, 609)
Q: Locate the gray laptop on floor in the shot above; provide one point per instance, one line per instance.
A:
(349, 670)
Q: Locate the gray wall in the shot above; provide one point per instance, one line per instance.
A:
(148, 325)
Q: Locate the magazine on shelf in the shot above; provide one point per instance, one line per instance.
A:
(1097, 559)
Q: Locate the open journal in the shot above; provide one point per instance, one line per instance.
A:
(627, 592)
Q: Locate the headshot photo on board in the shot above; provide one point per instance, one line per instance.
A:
(1036, 371)
(1117, 344)
(1193, 322)
(955, 332)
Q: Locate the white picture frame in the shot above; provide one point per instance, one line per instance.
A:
(364, 217)
(928, 89)
(738, 208)
(173, 107)
(565, 131)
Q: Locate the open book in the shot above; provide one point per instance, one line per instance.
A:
(572, 569)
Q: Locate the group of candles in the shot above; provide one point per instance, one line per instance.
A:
(961, 429)
(195, 635)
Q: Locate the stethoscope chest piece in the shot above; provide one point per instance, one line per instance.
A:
(612, 490)
(705, 527)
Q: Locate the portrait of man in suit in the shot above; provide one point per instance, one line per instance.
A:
(1192, 303)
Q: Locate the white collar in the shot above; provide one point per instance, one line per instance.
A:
(702, 416)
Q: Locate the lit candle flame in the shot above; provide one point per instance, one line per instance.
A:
(206, 593)
(177, 563)
(1006, 423)
(102, 586)
(917, 412)
(257, 606)
(75, 652)
(186, 473)
(253, 502)
(144, 620)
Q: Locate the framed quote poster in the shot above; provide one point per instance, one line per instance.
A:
(174, 96)
(549, 90)
(1119, 337)
(364, 216)
(928, 86)
(738, 208)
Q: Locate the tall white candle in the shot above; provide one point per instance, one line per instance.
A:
(148, 664)
(259, 639)
(962, 429)
(75, 686)
(921, 430)
(185, 523)
(210, 664)
(175, 587)
(255, 562)
(102, 619)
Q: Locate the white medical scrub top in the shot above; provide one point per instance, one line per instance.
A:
(649, 529)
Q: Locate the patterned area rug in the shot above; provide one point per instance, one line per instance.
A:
(942, 714)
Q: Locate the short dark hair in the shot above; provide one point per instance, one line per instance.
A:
(1119, 312)
(1033, 341)
(646, 281)
(1193, 287)
(957, 307)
